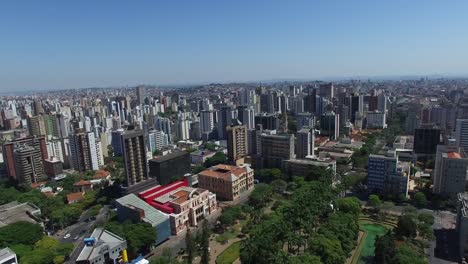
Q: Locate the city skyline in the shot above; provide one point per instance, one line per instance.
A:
(56, 45)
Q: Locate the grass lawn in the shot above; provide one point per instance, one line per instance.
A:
(372, 230)
(230, 254)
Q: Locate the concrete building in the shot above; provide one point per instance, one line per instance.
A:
(225, 117)
(327, 90)
(169, 168)
(36, 126)
(274, 149)
(132, 208)
(237, 142)
(450, 170)
(8, 256)
(246, 115)
(386, 175)
(268, 121)
(330, 125)
(186, 206)
(83, 151)
(426, 140)
(116, 141)
(102, 247)
(462, 225)
(29, 166)
(9, 148)
(305, 143)
(134, 154)
(53, 167)
(461, 133)
(376, 119)
(206, 121)
(19, 212)
(156, 140)
(200, 156)
(226, 181)
(140, 94)
(301, 167)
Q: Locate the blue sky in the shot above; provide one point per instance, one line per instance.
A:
(72, 44)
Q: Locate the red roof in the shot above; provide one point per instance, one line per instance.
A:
(71, 197)
(160, 190)
(82, 183)
(454, 155)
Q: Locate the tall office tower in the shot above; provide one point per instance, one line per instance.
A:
(268, 121)
(411, 123)
(298, 104)
(83, 154)
(134, 154)
(51, 124)
(310, 100)
(450, 170)
(183, 129)
(28, 165)
(385, 175)
(155, 140)
(357, 106)
(8, 152)
(246, 116)
(426, 140)
(305, 120)
(36, 126)
(321, 105)
(330, 125)
(140, 94)
(274, 149)
(461, 134)
(284, 103)
(116, 142)
(164, 124)
(451, 117)
(376, 119)
(38, 106)
(195, 133)
(237, 142)
(327, 90)
(247, 97)
(267, 103)
(277, 102)
(373, 103)
(292, 90)
(225, 118)
(305, 143)
(382, 103)
(206, 121)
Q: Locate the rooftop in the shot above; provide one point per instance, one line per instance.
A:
(152, 216)
(226, 172)
(170, 156)
(454, 155)
(6, 253)
(15, 212)
(104, 239)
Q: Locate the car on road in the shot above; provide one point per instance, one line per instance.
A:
(67, 236)
(75, 238)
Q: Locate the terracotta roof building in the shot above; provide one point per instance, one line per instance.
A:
(227, 181)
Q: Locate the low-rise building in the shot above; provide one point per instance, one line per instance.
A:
(200, 156)
(301, 167)
(227, 181)
(186, 206)
(15, 212)
(103, 247)
(75, 197)
(132, 208)
(8, 256)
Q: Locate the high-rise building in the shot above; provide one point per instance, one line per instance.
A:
(237, 142)
(36, 126)
(310, 100)
(9, 148)
(169, 168)
(376, 119)
(268, 121)
(330, 125)
(450, 170)
(28, 165)
(462, 225)
(155, 140)
(134, 154)
(327, 90)
(357, 106)
(411, 123)
(225, 118)
(461, 133)
(274, 149)
(83, 151)
(140, 94)
(305, 143)
(206, 121)
(247, 116)
(426, 140)
(183, 129)
(385, 175)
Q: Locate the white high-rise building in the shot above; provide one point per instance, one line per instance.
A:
(156, 140)
(206, 121)
(305, 143)
(83, 151)
(183, 129)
